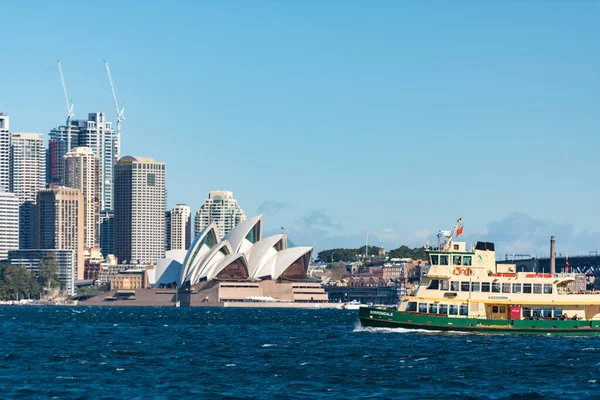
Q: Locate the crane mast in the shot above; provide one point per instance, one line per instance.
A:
(70, 106)
(120, 109)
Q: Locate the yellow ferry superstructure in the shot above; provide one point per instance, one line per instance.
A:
(461, 283)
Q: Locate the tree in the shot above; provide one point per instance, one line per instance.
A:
(17, 282)
(48, 271)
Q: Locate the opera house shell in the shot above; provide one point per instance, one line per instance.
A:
(242, 256)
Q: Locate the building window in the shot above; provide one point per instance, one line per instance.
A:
(151, 180)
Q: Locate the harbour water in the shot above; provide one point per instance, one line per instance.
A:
(137, 352)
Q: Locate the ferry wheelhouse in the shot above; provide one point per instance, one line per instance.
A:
(466, 290)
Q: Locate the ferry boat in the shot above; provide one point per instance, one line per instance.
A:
(466, 290)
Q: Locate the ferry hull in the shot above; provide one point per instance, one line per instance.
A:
(389, 318)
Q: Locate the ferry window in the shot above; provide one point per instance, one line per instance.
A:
(558, 312)
(434, 284)
(494, 309)
(464, 310)
(453, 309)
(475, 287)
(411, 306)
(537, 288)
(464, 286)
(537, 312)
(467, 260)
(434, 260)
(495, 287)
(485, 287)
(456, 260)
(444, 309)
(502, 309)
(422, 307)
(526, 312)
(443, 260)
(444, 285)
(516, 288)
(506, 288)
(548, 288)
(547, 312)
(433, 309)
(454, 286)
(527, 288)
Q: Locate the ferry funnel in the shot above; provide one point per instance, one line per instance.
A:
(552, 255)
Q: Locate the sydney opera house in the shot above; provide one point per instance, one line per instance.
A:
(243, 266)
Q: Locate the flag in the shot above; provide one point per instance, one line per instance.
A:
(459, 230)
(568, 266)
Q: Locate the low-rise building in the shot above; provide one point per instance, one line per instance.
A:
(67, 267)
(130, 280)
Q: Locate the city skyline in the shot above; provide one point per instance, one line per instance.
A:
(499, 112)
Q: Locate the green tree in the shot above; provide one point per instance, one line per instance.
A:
(48, 271)
(17, 282)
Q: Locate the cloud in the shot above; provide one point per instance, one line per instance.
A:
(523, 234)
(272, 207)
(318, 219)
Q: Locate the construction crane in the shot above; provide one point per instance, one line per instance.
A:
(118, 106)
(70, 106)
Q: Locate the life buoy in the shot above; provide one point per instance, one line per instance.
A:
(457, 271)
(468, 272)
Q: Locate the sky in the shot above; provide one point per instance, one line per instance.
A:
(335, 119)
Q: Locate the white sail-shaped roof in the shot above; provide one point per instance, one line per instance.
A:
(201, 246)
(227, 261)
(245, 234)
(297, 258)
(215, 255)
(262, 251)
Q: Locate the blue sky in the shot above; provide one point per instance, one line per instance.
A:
(338, 118)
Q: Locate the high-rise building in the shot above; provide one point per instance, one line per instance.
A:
(81, 171)
(60, 222)
(167, 230)
(27, 176)
(180, 227)
(58, 147)
(99, 135)
(107, 232)
(30, 259)
(139, 222)
(222, 209)
(4, 152)
(9, 223)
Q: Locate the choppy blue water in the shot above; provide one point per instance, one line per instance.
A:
(116, 353)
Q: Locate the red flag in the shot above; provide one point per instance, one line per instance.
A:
(459, 230)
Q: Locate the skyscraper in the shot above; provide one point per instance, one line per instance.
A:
(4, 152)
(57, 148)
(102, 139)
(60, 222)
(9, 223)
(107, 237)
(181, 227)
(27, 176)
(139, 222)
(167, 230)
(222, 209)
(81, 171)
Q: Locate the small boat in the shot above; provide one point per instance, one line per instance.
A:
(352, 305)
(466, 290)
(178, 304)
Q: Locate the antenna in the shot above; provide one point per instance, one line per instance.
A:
(119, 107)
(70, 106)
